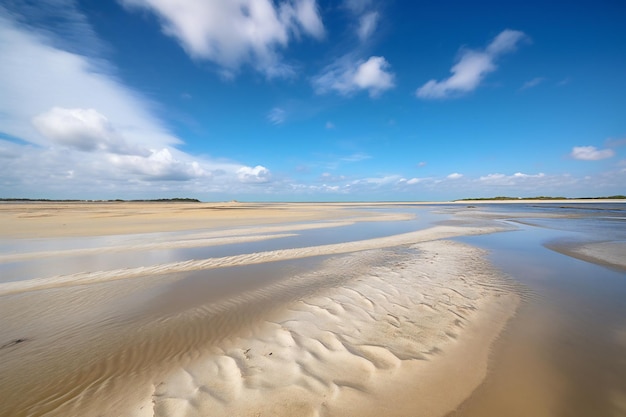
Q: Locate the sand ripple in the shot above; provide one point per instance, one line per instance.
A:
(342, 341)
(359, 335)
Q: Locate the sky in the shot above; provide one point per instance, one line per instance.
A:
(311, 100)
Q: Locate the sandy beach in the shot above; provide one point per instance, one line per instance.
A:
(399, 324)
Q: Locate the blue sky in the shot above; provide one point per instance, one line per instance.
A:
(305, 100)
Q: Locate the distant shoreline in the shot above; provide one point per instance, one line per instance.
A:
(513, 200)
(500, 199)
(46, 200)
(543, 198)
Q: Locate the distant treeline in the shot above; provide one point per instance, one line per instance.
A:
(542, 197)
(158, 200)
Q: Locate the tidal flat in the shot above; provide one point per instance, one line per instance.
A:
(195, 309)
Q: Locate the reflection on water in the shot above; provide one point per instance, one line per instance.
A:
(568, 333)
(63, 265)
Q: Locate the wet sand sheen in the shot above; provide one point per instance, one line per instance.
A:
(340, 338)
(563, 354)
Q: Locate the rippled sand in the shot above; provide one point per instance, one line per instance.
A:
(384, 326)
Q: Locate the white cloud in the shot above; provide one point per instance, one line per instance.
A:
(377, 181)
(367, 25)
(257, 175)
(236, 32)
(372, 75)
(506, 41)
(518, 179)
(77, 130)
(347, 76)
(328, 177)
(522, 175)
(357, 6)
(71, 29)
(591, 153)
(307, 15)
(414, 181)
(472, 67)
(492, 177)
(36, 77)
(83, 129)
(160, 165)
(277, 116)
(454, 176)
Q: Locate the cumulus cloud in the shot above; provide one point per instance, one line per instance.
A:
(472, 67)
(160, 165)
(591, 153)
(36, 77)
(454, 176)
(367, 25)
(87, 133)
(257, 175)
(348, 76)
(236, 32)
(84, 130)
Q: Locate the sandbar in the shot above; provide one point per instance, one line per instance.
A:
(611, 254)
(395, 325)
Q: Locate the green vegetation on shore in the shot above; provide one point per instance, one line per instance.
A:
(158, 200)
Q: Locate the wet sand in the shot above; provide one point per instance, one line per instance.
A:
(612, 254)
(564, 354)
(381, 326)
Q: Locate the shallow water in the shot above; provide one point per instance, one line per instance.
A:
(104, 335)
(63, 265)
(565, 354)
